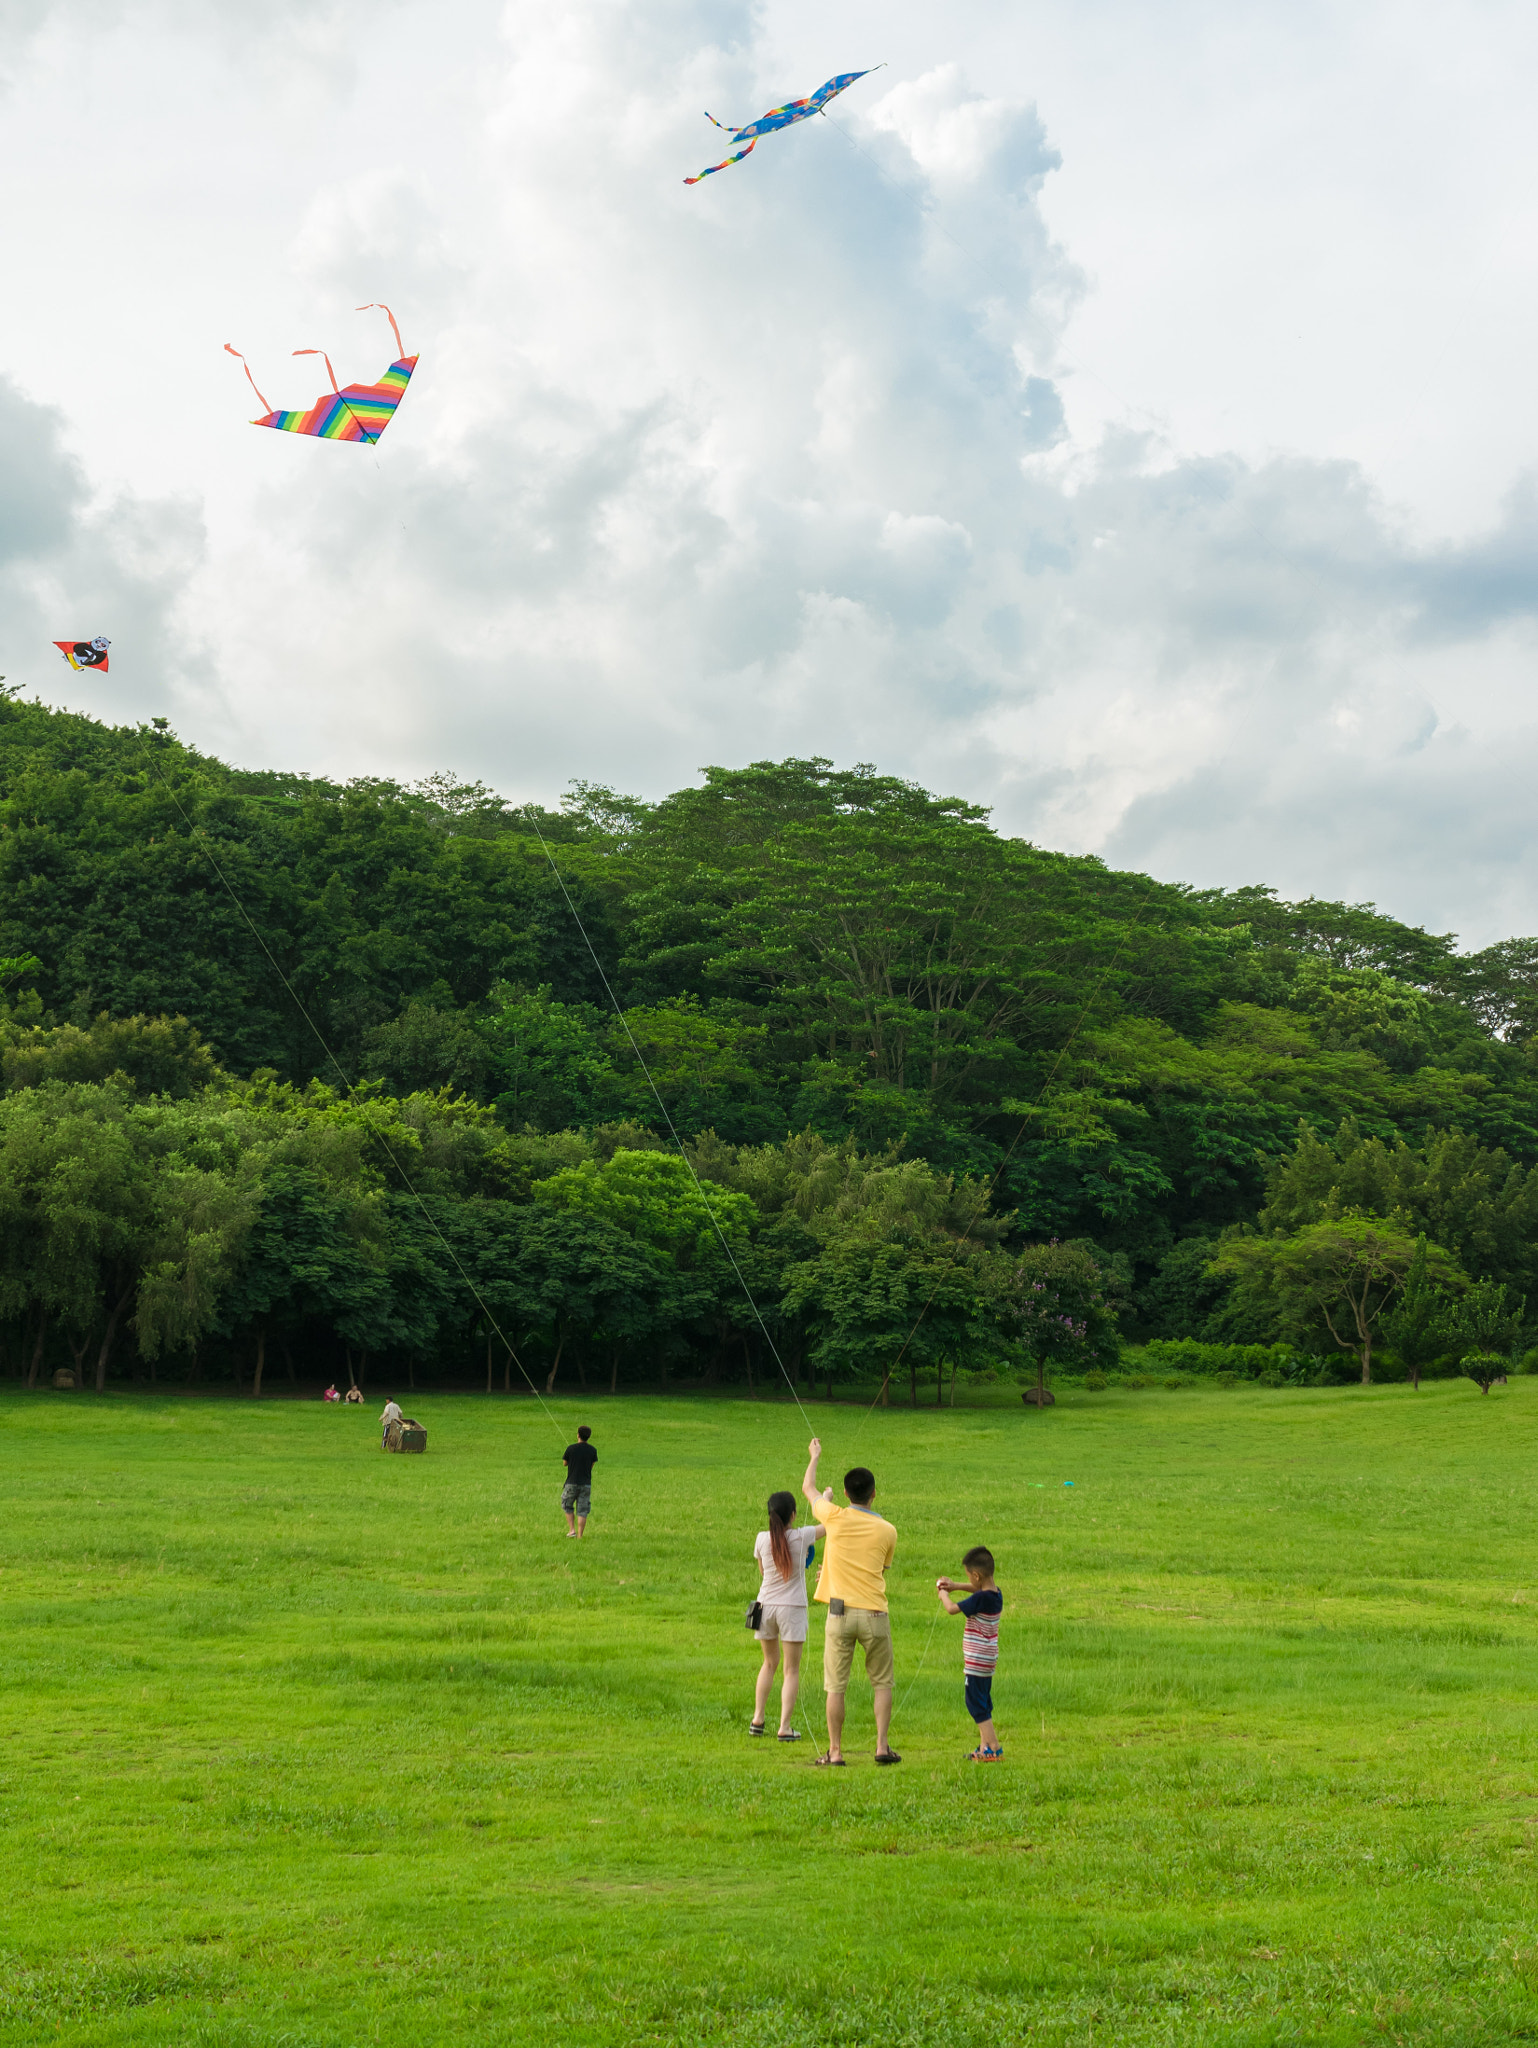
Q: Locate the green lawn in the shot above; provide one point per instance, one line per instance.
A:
(309, 1745)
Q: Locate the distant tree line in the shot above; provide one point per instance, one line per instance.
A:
(951, 1102)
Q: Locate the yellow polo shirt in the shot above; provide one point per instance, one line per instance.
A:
(858, 1547)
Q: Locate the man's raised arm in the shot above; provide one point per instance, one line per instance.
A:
(809, 1483)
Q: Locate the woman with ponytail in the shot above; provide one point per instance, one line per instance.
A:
(782, 1554)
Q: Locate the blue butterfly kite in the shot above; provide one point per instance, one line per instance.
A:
(779, 117)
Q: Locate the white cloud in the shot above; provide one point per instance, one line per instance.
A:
(799, 459)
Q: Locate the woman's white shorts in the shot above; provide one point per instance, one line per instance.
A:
(782, 1625)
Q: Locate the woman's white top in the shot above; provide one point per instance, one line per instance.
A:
(782, 1592)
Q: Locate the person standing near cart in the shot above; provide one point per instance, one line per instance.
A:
(577, 1493)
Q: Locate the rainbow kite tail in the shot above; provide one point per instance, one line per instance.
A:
(711, 169)
(722, 125)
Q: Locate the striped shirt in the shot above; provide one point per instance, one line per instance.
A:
(980, 1642)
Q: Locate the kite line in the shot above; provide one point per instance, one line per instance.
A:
(196, 832)
(699, 1186)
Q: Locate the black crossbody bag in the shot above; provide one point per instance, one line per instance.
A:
(755, 1616)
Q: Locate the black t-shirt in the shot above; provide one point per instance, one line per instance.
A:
(580, 1460)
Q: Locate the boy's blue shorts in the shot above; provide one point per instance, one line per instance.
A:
(979, 1698)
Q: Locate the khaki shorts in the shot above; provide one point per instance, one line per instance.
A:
(781, 1625)
(872, 1631)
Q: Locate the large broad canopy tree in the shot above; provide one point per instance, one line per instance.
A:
(1346, 1273)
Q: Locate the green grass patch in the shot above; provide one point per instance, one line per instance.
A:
(308, 1747)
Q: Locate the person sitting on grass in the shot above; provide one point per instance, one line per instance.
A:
(860, 1546)
(392, 1413)
(979, 1644)
(577, 1494)
(354, 1397)
(782, 1555)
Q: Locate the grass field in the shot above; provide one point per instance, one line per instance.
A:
(307, 1745)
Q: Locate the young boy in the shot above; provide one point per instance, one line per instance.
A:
(979, 1644)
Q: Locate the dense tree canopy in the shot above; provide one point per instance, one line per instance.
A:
(296, 1069)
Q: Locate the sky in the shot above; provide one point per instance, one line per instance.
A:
(1120, 416)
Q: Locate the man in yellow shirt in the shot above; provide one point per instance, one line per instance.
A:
(858, 1549)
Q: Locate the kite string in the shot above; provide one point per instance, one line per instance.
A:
(699, 1186)
(196, 832)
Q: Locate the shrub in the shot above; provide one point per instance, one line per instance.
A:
(1096, 1382)
(1228, 1379)
(1174, 1385)
(1273, 1376)
(1138, 1381)
(1529, 1361)
(1484, 1368)
(1195, 1360)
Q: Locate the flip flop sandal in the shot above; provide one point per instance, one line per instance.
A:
(755, 1727)
(836, 1762)
(891, 1757)
(793, 1736)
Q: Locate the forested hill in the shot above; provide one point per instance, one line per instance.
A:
(797, 950)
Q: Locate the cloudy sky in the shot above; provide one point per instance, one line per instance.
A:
(1122, 415)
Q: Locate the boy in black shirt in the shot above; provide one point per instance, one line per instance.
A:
(577, 1493)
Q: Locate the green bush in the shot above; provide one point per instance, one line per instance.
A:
(1096, 1382)
(1528, 1361)
(1137, 1381)
(1174, 1385)
(1228, 1379)
(1484, 1368)
(1274, 1365)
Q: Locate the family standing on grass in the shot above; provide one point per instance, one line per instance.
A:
(858, 1547)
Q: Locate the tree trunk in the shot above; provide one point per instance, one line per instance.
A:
(107, 1337)
(614, 1369)
(1367, 1360)
(555, 1363)
(261, 1360)
(77, 1352)
(352, 1377)
(37, 1350)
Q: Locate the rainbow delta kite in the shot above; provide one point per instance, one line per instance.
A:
(358, 412)
(779, 117)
